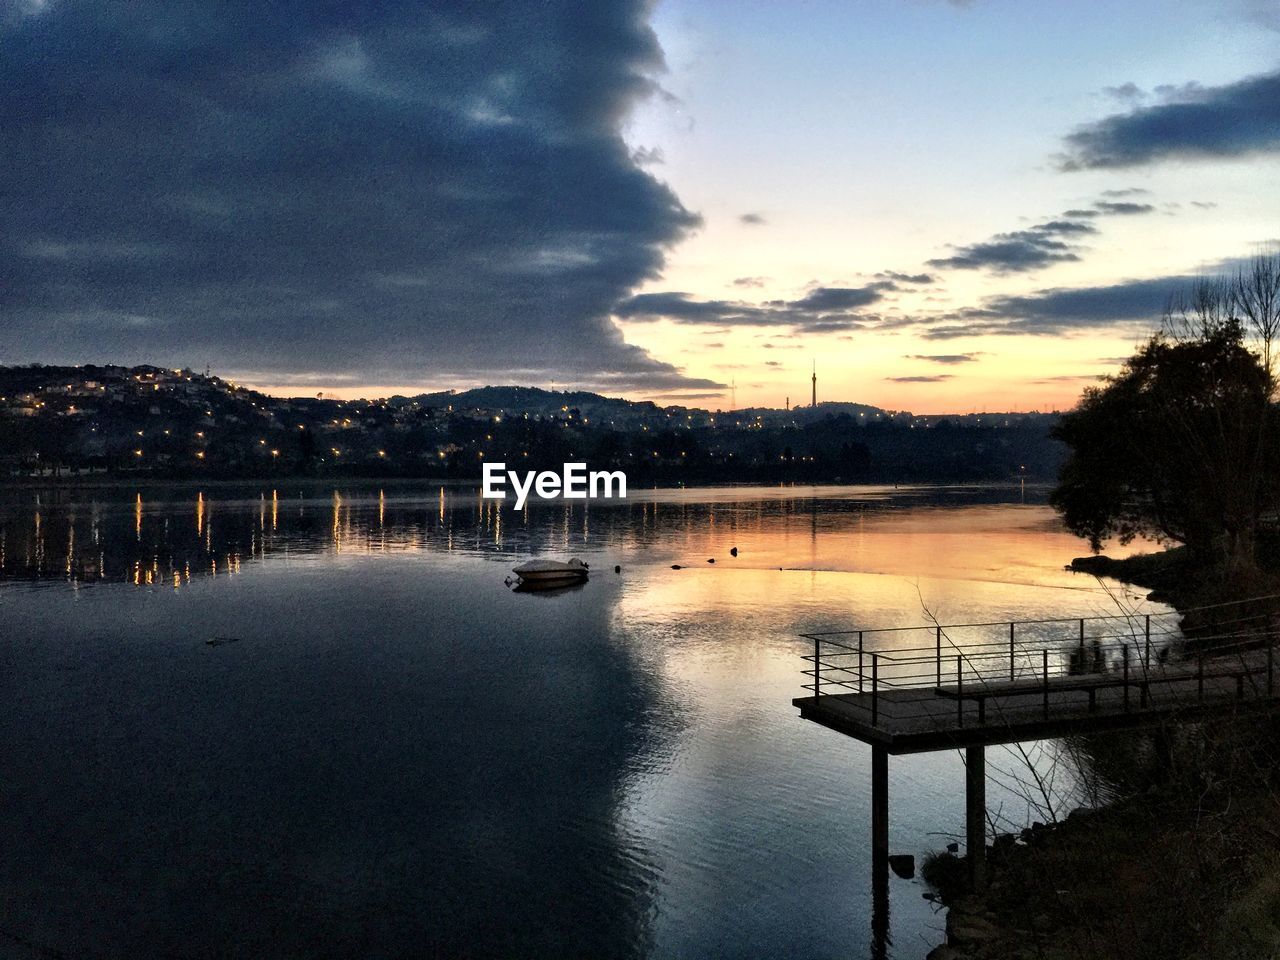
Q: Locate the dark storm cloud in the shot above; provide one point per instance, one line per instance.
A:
(822, 310)
(945, 358)
(829, 325)
(1135, 306)
(380, 192)
(1111, 208)
(1123, 208)
(1047, 243)
(682, 308)
(838, 298)
(953, 331)
(647, 156)
(1063, 228)
(1057, 310)
(1128, 92)
(1232, 120)
(912, 278)
(1021, 250)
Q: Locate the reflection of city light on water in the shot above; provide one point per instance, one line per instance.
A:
(177, 552)
(337, 520)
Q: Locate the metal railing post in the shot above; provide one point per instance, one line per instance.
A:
(1044, 657)
(817, 668)
(937, 651)
(1147, 659)
(1011, 651)
(959, 691)
(860, 667)
(875, 688)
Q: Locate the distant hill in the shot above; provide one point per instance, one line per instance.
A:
(807, 414)
(535, 400)
(530, 399)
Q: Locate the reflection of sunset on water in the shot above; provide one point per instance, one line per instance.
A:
(953, 535)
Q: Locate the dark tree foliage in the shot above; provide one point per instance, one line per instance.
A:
(1177, 445)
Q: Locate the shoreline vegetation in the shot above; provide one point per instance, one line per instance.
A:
(1167, 575)
(1173, 848)
(1173, 852)
(1167, 873)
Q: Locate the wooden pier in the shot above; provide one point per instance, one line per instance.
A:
(970, 685)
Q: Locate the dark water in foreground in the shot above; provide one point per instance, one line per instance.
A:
(400, 757)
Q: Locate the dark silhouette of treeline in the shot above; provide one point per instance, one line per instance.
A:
(59, 423)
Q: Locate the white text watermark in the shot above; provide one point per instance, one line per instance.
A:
(574, 482)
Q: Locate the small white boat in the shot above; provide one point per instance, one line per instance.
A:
(544, 571)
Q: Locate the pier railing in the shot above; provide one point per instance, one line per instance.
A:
(979, 661)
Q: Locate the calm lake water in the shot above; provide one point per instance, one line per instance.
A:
(401, 757)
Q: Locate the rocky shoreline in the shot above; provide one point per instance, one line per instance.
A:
(986, 927)
(1155, 876)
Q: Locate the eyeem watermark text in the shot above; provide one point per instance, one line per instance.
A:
(574, 482)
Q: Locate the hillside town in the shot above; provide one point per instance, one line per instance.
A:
(85, 422)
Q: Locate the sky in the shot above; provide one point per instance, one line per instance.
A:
(945, 206)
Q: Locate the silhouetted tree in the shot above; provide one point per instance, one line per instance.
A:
(1177, 444)
(1249, 298)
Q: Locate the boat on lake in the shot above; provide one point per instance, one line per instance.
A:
(551, 571)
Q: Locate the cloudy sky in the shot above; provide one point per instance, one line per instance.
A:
(949, 206)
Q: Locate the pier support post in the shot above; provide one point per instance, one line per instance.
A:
(879, 812)
(879, 853)
(975, 814)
